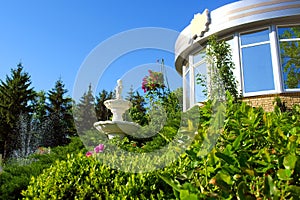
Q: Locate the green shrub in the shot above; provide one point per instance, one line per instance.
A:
(15, 178)
(257, 156)
(81, 177)
(16, 175)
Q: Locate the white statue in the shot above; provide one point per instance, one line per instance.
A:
(119, 89)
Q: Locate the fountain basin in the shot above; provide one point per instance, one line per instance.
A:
(117, 128)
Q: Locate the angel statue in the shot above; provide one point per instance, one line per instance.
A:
(119, 89)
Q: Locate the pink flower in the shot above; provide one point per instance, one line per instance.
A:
(99, 148)
(88, 154)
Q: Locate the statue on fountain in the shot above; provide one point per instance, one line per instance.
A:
(119, 89)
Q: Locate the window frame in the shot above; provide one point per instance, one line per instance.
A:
(264, 92)
(279, 56)
(193, 67)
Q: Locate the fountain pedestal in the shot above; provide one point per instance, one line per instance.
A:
(117, 127)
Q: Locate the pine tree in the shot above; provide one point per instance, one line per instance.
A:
(39, 119)
(130, 94)
(16, 97)
(85, 111)
(60, 125)
(102, 112)
(40, 110)
(138, 110)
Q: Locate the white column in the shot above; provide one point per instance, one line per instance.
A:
(236, 58)
(192, 82)
(184, 88)
(276, 60)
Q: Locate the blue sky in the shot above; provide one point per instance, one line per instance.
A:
(52, 38)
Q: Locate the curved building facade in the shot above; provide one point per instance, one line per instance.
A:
(264, 36)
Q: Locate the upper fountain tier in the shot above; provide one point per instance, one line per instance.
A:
(117, 107)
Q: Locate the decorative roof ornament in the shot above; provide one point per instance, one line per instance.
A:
(199, 24)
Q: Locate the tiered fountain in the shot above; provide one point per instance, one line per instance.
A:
(117, 126)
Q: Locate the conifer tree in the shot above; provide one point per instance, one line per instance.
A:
(16, 97)
(102, 112)
(60, 125)
(40, 110)
(138, 110)
(85, 115)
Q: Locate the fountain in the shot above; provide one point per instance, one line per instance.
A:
(117, 126)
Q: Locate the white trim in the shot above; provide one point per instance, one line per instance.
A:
(241, 64)
(289, 40)
(267, 92)
(187, 70)
(275, 59)
(193, 67)
(236, 57)
(184, 88)
(199, 63)
(256, 44)
(279, 57)
(246, 94)
(192, 82)
(291, 90)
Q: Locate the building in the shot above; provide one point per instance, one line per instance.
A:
(264, 36)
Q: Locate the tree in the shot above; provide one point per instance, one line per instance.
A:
(220, 77)
(16, 97)
(138, 110)
(85, 111)
(102, 112)
(39, 105)
(60, 122)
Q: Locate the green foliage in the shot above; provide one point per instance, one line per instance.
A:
(80, 177)
(153, 85)
(102, 112)
(16, 97)
(85, 115)
(60, 118)
(16, 176)
(257, 156)
(138, 110)
(40, 110)
(220, 70)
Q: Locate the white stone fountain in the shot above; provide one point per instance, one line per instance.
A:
(117, 127)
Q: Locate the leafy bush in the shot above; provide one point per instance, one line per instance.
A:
(257, 156)
(81, 177)
(16, 175)
(15, 178)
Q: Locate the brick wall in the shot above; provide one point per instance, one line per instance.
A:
(267, 101)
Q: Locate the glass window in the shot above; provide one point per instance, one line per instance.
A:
(255, 37)
(199, 87)
(257, 68)
(257, 62)
(230, 42)
(198, 57)
(188, 89)
(289, 40)
(199, 66)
